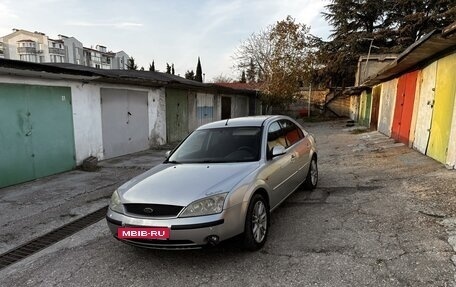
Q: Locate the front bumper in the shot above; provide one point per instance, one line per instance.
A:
(185, 233)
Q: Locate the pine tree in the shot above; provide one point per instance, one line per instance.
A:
(131, 64)
(393, 24)
(199, 72)
(172, 68)
(243, 79)
(168, 68)
(251, 73)
(152, 66)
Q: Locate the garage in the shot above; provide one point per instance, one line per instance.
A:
(125, 124)
(36, 132)
(176, 115)
(204, 108)
(403, 111)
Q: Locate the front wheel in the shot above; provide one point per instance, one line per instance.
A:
(312, 175)
(256, 223)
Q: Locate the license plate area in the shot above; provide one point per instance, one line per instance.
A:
(143, 233)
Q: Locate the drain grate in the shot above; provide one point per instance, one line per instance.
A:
(14, 255)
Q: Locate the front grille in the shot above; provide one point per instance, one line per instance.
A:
(153, 210)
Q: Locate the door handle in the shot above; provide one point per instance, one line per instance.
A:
(29, 133)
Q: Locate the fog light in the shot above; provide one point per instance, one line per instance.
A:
(213, 240)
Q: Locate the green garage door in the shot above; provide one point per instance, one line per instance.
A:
(176, 115)
(36, 132)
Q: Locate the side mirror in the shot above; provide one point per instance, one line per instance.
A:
(167, 153)
(278, 150)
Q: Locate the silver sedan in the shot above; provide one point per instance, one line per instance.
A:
(223, 180)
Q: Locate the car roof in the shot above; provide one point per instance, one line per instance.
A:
(253, 121)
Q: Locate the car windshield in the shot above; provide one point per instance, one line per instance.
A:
(231, 144)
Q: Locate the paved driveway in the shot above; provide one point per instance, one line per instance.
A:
(382, 216)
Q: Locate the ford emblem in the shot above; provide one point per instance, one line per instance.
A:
(148, 210)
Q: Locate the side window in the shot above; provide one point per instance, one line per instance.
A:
(292, 132)
(275, 136)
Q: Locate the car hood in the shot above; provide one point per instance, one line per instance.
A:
(181, 184)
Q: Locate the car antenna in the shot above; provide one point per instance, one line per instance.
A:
(227, 122)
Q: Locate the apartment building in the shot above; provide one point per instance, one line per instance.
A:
(37, 47)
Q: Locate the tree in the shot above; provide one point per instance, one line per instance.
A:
(222, 79)
(190, 75)
(131, 64)
(142, 68)
(281, 53)
(392, 24)
(172, 68)
(152, 66)
(168, 68)
(243, 79)
(251, 72)
(199, 72)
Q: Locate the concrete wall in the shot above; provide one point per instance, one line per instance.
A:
(341, 106)
(88, 137)
(87, 112)
(239, 106)
(157, 116)
(370, 67)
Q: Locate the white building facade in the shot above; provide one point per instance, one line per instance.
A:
(36, 47)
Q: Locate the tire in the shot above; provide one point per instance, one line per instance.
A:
(312, 175)
(256, 224)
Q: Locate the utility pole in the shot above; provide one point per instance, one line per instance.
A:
(368, 56)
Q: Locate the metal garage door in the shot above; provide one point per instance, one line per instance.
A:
(204, 108)
(426, 84)
(387, 103)
(36, 132)
(403, 111)
(445, 97)
(125, 121)
(176, 115)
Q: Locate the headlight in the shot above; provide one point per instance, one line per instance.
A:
(206, 206)
(115, 203)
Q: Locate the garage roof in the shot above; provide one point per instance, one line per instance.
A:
(431, 46)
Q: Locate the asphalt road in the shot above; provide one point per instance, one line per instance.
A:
(375, 220)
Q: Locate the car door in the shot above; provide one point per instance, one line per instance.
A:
(277, 171)
(299, 149)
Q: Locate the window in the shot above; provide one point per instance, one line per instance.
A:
(292, 132)
(275, 137)
(231, 144)
(28, 57)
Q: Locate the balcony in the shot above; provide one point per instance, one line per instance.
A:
(26, 50)
(57, 51)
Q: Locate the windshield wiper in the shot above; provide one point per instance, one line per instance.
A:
(171, 161)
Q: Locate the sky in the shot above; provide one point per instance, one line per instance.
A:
(173, 31)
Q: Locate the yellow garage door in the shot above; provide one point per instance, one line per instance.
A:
(445, 90)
